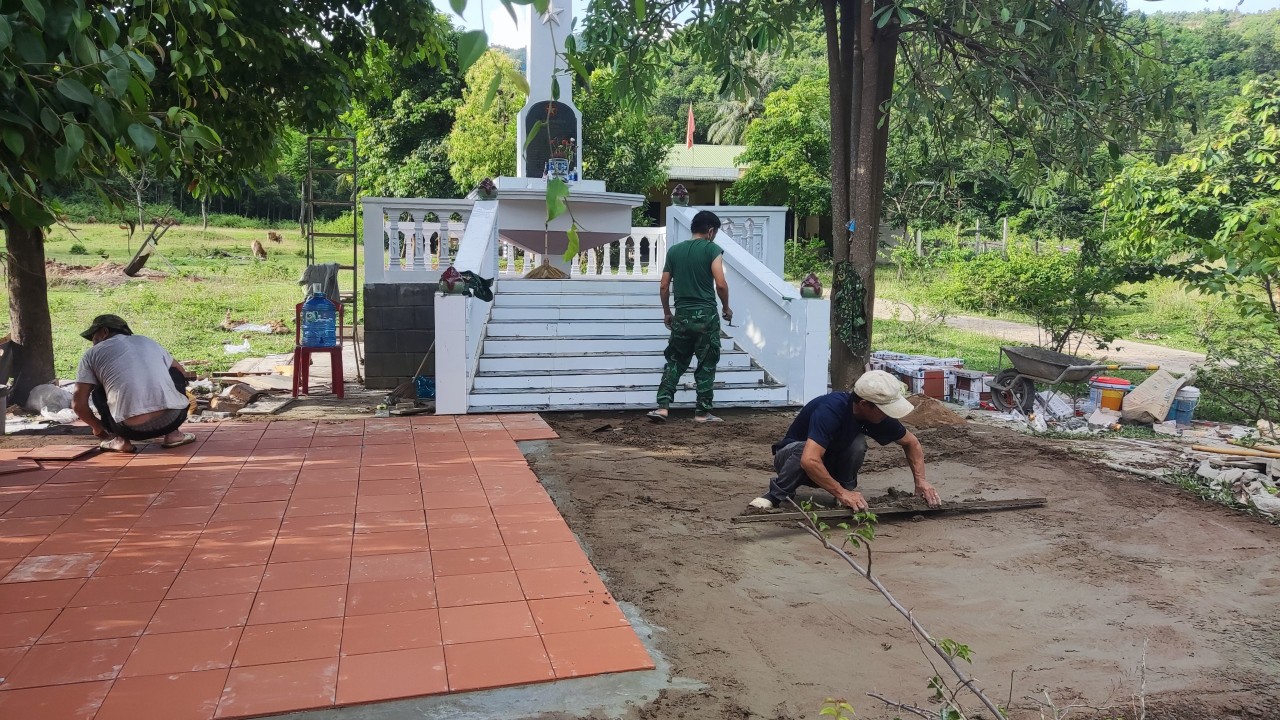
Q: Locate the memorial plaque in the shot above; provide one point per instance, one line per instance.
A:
(562, 124)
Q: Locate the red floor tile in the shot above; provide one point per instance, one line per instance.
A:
(201, 613)
(307, 507)
(378, 488)
(265, 493)
(478, 623)
(317, 526)
(54, 567)
(315, 490)
(470, 561)
(64, 702)
(289, 642)
(536, 533)
(142, 560)
(18, 548)
(390, 543)
(183, 696)
(479, 589)
(561, 582)
(144, 587)
(24, 628)
(461, 538)
(306, 574)
(398, 566)
(390, 631)
(390, 521)
(455, 499)
(217, 581)
(389, 503)
(100, 622)
(592, 652)
(390, 596)
(67, 663)
(390, 675)
(182, 652)
(577, 612)
(303, 604)
(266, 689)
(471, 666)
(313, 547)
(9, 658)
(459, 517)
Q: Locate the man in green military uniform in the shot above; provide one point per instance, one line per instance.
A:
(697, 268)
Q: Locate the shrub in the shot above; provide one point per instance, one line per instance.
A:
(801, 257)
(78, 249)
(1240, 378)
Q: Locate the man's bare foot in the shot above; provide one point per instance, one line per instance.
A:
(117, 444)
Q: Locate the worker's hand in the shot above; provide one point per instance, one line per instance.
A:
(667, 319)
(853, 500)
(727, 315)
(926, 491)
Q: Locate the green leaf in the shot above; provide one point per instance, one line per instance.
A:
(541, 6)
(144, 139)
(471, 45)
(639, 10)
(144, 64)
(555, 88)
(515, 78)
(557, 194)
(533, 132)
(492, 91)
(74, 90)
(458, 6)
(572, 249)
(118, 80)
(64, 157)
(36, 8)
(30, 212)
(14, 141)
(1005, 14)
(1020, 27)
(75, 137)
(6, 33)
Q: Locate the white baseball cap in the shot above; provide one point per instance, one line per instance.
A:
(885, 392)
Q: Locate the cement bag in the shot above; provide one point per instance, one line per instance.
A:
(1150, 402)
(48, 398)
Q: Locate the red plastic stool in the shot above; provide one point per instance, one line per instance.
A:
(302, 357)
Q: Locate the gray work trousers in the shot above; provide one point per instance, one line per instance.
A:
(842, 464)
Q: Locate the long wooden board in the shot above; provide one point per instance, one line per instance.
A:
(892, 510)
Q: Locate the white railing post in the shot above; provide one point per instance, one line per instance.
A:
(374, 254)
(390, 258)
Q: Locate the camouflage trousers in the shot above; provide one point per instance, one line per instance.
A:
(694, 334)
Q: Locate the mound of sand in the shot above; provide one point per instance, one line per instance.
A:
(104, 273)
(930, 413)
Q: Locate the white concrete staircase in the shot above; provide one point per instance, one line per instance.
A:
(593, 344)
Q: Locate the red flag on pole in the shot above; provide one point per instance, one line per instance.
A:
(688, 134)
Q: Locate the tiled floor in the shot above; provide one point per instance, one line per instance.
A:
(296, 565)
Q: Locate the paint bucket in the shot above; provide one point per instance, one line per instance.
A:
(1184, 405)
(1108, 392)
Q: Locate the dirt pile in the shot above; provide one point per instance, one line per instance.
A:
(104, 273)
(930, 413)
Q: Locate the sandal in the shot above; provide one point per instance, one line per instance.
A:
(656, 416)
(187, 439)
(106, 446)
(708, 418)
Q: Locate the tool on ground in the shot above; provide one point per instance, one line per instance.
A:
(1014, 388)
(409, 388)
(897, 510)
(149, 247)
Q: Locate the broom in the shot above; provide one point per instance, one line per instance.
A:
(546, 271)
(411, 385)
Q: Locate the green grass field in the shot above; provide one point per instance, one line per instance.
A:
(212, 273)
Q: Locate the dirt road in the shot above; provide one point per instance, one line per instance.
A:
(1063, 597)
(1122, 351)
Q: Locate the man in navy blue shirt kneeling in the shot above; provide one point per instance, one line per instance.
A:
(827, 443)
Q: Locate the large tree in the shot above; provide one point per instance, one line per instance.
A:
(482, 143)
(197, 89)
(1061, 75)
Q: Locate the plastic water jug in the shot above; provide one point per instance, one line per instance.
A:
(319, 320)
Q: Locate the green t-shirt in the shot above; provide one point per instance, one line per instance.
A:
(689, 263)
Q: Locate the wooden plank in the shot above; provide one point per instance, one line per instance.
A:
(8, 467)
(894, 510)
(1236, 451)
(267, 406)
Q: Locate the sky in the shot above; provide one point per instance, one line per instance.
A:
(502, 31)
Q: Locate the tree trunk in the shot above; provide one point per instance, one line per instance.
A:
(861, 60)
(31, 328)
(204, 213)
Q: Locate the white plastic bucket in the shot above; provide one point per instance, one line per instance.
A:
(1184, 405)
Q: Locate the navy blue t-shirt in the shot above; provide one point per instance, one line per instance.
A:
(829, 421)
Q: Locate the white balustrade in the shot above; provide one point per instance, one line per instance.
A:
(761, 231)
(640, 255)
(789, 336)
(411, 239)
(461, 321)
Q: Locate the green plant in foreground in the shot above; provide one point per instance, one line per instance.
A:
(78, 249)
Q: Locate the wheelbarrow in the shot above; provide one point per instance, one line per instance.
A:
(1014, 388)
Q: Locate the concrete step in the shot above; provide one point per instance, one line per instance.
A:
(538, 399)
(578, 361)
(577, 328)
(604, 379)
(545, 313)
(580, 344)
(506, 300)
(575, 287)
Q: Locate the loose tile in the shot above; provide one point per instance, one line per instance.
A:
(592, 652)
(471, 665)
(391, 675)
(182, 652)
(182, 696)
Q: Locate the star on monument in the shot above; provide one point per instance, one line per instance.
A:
(552, 16)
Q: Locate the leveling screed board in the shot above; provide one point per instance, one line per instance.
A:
(897, 510)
